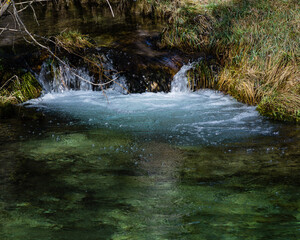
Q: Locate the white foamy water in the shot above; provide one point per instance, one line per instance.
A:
(203, 117)
(64, 78)
(180, 117)
(179, 83)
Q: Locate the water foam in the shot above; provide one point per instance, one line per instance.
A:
(181, 116)
(63, 78)
(180, 81)
(203, 117)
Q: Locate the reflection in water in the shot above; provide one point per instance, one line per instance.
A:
(100, 184)
(92, 19)
(61, 180)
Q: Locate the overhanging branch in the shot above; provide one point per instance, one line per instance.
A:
(4, 6)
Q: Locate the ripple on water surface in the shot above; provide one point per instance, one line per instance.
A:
(89, 180)
(203, 117)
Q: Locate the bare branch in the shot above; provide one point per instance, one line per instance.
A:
(112, 12)
(24, 8)
(94, 84)
(4, 6)
(3, 29)
(30, 2)
(34, 15)
(20, 27)
(10, 29)
(13, 77)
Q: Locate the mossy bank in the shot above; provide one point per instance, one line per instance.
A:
(16, 86)
(253, 49)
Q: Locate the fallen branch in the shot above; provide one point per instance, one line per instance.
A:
(4, 6)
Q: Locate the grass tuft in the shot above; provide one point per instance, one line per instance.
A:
(255, 43)
(19, 89)
(73, 40)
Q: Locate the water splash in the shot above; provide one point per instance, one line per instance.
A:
(204, 117)
(59, 78)
(63, 78)
(182, 117)
(180, 81)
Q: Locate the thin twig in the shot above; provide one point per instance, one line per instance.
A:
(2, 30)
(22, 9)
(14, 76)
(112, 12)
(11, 29)
(34, 15)
(30, 2)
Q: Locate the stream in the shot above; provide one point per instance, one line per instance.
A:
(177, 165)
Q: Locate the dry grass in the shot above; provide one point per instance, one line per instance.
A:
(73, 40)
(256, 44)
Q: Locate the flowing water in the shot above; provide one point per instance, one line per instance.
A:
(178, 165)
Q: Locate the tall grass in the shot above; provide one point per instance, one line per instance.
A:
(256, 44)
(19, 89)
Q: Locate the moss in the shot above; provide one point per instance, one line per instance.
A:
(19, 89)
(28, 87)
(280, 107)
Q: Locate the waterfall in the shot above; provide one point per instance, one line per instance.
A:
(181, 117)
(63, 78)
(180, 81)
(119, 85)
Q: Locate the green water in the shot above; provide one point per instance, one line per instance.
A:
(62, 181)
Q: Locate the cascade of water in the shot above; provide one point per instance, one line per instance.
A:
(202, 117)
(180, 81)
(119, 85)
(63, 78)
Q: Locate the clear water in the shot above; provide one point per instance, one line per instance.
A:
(148, 166)
(145, 166)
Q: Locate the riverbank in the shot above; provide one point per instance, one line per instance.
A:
(255, 44)
(253, 48)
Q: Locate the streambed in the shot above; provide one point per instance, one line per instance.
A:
(149, 166)
(178, 165)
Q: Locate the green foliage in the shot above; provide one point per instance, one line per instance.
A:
(279, 107)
